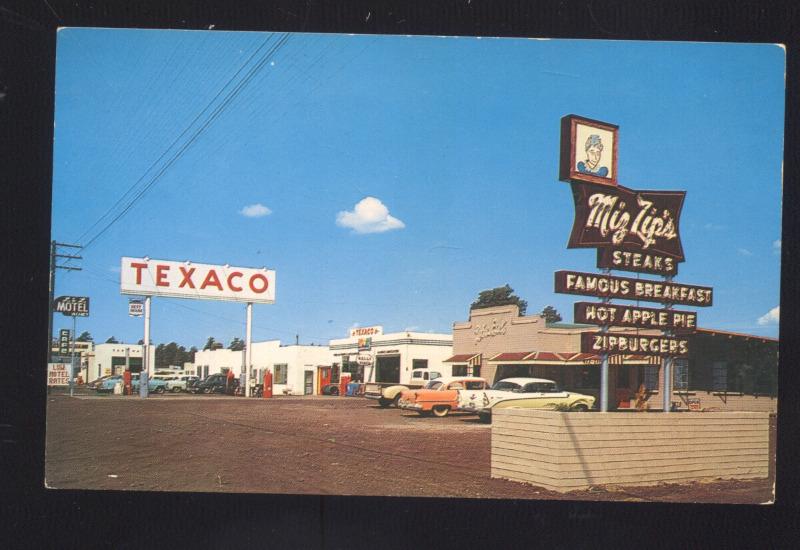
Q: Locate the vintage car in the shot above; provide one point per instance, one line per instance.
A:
(106, 385)
(522, 393)
(390, 394)
(439, 396)
(154, 385)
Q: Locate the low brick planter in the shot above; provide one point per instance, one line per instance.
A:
(564, 451)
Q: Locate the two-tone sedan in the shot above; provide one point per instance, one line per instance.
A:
(439, 396)
(522, 393)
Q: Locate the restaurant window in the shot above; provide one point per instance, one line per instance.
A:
(280, 373)
(459, 370)
(680, 375)
(624, 376)
(650, 377)
(476, 370)
(719, 376)
(419, 364)
(588, 377)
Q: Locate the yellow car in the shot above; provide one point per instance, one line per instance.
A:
(522, 393)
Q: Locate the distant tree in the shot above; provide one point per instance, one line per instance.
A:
(160, 362)
(112, 340)
(84, 337)
(499, 296)
(551, 315)
(236, 345)
(212, 344)
(141, 341)
(190, 354)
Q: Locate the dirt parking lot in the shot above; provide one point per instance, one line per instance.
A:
(300, 445)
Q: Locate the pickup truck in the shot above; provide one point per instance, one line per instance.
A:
(388, 394)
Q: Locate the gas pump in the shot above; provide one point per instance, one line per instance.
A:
(344, 378)
(267, 384)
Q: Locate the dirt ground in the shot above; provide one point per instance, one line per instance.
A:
(301, 445)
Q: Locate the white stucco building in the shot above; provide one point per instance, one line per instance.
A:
(108, 359)
(372, 356)
(296, 369)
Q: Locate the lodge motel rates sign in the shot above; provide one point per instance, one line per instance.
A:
(632, 230)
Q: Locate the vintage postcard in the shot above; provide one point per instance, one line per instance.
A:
(415, 266)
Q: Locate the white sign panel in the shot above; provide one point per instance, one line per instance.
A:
(364, 359)
(366, 331)
(135, 308)
(57, 374)
(148, 277)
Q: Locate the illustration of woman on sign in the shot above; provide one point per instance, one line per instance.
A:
(594, 150)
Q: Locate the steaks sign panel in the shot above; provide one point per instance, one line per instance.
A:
(619, 343)
(627, 219)
(640, 262)
(626, 288)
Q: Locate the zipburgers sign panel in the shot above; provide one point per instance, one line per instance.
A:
(148, 277)
(626, 288)
(618, 343)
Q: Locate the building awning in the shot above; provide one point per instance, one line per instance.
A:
(569, 358)
(467, 358)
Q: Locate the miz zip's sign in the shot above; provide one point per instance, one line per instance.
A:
(644, 221)
(148, 277)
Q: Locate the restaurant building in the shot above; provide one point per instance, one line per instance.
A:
(725, 371)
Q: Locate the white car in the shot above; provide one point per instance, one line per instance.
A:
(527, 393)
(177, 383)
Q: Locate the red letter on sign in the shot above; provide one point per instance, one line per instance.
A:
(230, 282)
(187, 277)
(161, 275)
(138, 268)
(253, 287)
(211, 279)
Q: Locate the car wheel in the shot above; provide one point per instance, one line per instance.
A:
(334, 391)
(383, 402)
(159, 389)
(486, 418)
(176, 389)
(440, 411)
(206, 390)
(396, 401)
(580, 407)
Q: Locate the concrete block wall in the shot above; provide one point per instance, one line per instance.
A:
(564, 451)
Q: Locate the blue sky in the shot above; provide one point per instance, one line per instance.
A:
(455, 139)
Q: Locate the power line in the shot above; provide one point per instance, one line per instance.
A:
(174, 142)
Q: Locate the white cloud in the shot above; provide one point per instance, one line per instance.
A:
(776, 247)
(745, 252)
(369, 215)
(771, 317)
(256, 210)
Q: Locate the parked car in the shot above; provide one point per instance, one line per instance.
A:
(388, 394)
(108, 383)
(524, 393)
(330, 389)
(96, 382)
(178, 383)
(154, 385)
(216, 383)
(439, 396)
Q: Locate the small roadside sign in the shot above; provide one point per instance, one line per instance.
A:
(72, 306)
(135, 308)
(63, 341)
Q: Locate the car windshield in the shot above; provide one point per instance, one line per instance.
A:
(433, 385)
(506, 386)
(474, 385)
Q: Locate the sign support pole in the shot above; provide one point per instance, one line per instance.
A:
(667, 366)
(144, 376)
(248, 351)
(604, 364)
(72, 360)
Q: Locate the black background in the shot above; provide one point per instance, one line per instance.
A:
(34, 517)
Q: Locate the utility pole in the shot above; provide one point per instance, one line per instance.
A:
(53, 266)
